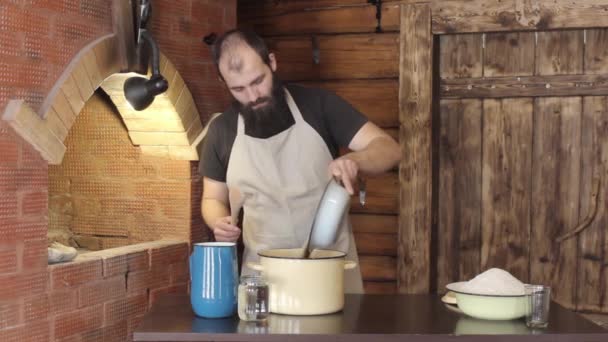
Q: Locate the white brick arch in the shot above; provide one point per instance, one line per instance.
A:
(170, 127)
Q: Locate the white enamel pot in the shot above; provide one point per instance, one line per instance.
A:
(297, 286)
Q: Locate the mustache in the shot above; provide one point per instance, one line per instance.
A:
(261, 100)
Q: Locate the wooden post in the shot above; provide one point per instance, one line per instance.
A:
(415, 170)
(123, 26)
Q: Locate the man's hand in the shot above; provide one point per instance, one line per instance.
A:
(224, 230)
(346, 170)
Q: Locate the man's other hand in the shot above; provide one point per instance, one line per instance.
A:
(224, 230)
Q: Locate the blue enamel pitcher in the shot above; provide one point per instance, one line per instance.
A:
(214, 278)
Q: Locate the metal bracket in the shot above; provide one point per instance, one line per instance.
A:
(378, 4)
(210, 38)
(316, 52)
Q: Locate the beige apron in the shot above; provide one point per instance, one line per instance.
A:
(282, 179)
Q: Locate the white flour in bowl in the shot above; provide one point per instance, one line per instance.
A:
(495, 282)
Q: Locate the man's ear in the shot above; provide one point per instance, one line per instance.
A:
(273, 61)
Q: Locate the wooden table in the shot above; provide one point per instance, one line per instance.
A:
(364, 318)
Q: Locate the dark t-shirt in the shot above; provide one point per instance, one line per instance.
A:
(333, 118)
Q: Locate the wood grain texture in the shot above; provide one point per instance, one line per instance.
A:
(377, 99)
(415, 174)
(559, 52)
(525, 86)
(350, 19)
(509, 54)
(378, 268)
(263, 8)
(592, 289)
(555, 195)
(506, 193)
(381, 224)
(448, 16)
(377, 287)
(382, 195)
(596, 51)
(516, 15)
(341, 57)
(376, 244)
(461, 56)
(459, 232)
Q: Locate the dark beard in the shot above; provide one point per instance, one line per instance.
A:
(271, 119)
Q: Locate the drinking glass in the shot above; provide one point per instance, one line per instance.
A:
(538, 299)
(253, 298)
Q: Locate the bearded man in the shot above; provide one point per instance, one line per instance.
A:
(277, 148)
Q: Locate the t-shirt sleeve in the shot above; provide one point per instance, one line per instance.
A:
(211, 163)
(343, 120)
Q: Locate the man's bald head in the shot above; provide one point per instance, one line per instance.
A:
(229, 46)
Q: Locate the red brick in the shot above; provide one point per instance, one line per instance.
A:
(133, 323)
(30, 158)
(73, 338)
(19, 285)
(63, 301)
(75, 273)
(74, 30)
(8, 177)
(34, 203)
(179, 273)
(157, 293)
(8, 205)
(36, 308)
(31, 178)
(9, 153)
(122, 309)
(11, 44)
(101, 291)
(159, 277)
(24, 20)
(138, 261)
(32, 332)
(31, 228)
(212, 12)
(35, 254)
(168, 254)
(116, 332)
(79, 321)
(138, 281)
(8, 260)
(114, 265)
(8, 230)
(10, 314)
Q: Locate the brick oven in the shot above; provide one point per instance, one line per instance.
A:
(77, 166)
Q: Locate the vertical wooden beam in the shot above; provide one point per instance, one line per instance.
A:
(555, 195)
(459, 226)
(123, 25)
(592, 273)
(505, 187)
(415, 171)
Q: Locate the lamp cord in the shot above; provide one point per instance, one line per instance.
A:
(147, 37)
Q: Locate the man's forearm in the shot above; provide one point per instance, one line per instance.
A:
(382, 154)
(212, 209)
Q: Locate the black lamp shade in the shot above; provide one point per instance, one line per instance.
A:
(140, 92)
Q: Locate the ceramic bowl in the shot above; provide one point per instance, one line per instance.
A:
(490, 307)
(330, 213)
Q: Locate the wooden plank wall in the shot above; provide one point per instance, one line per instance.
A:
(361, 66)
(518, 164)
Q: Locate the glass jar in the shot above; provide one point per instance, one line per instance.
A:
(253, 298)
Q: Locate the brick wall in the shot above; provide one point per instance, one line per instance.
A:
(38, 39)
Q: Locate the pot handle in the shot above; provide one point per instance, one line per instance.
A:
(255, 266)
(349, 264)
